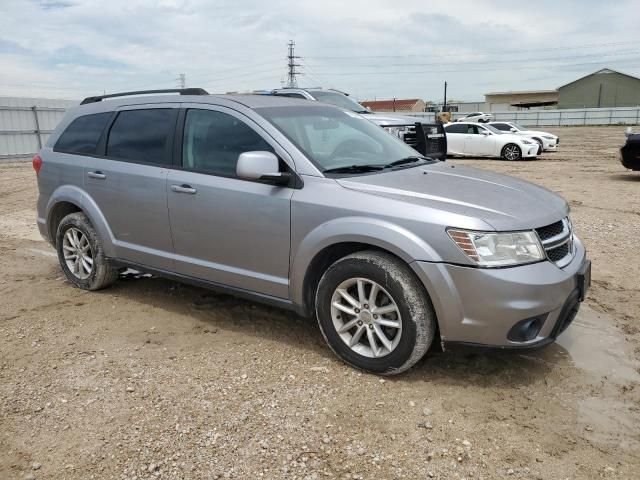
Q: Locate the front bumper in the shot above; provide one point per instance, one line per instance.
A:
(481, 306)
(550, 145)
(529, 151)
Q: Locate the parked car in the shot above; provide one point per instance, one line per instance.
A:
(427, 138)
(630, 151)
(478, 117)
(547, 141)
(311, 208)
(474, 140)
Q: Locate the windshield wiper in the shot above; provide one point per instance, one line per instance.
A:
(354, 169)
(404, 161)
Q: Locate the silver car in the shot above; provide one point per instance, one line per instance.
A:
(312, 208)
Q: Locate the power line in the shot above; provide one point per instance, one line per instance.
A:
(506, 67)
(493, 62)
(486, 52)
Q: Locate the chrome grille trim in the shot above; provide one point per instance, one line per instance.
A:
(563, 240)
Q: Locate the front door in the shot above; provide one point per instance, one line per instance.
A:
(227, 230)
(477, 143)
(129, 184)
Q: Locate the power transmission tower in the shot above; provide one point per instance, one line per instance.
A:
(291, 75)
(182, 80)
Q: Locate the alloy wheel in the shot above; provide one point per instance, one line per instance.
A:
(512, 152)
(77, 253)
(366, 317)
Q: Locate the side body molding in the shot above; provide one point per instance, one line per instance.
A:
(379, 233)
(80, 198)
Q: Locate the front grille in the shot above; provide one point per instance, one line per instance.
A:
(550, 231)
(557, 254)
(557, 241)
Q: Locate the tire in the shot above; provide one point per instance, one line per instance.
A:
(414, 319)
(76, 236)
(511, 152)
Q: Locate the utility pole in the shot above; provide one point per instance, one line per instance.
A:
(291, 65)
(444, 105)
(182, 80)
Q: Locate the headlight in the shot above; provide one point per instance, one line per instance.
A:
(494, 249)
(526, 142)
(548, 137)
(397, 131)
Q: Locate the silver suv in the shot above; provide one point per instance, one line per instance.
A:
(312, 208)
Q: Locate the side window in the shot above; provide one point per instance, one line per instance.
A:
(83, 134)
(456, 128)
(142, 135)
(213, 141)
(472, 130)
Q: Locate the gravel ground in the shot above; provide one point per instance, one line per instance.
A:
(153, 379)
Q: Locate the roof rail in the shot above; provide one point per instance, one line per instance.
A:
(181, 91)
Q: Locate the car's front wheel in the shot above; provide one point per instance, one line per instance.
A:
(511, 151)
(374, 313)
(81, 254)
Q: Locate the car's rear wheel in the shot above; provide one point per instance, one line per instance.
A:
(81, 254)
(511, 151)
(374, 313)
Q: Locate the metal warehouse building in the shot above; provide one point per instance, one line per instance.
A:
(602, 89)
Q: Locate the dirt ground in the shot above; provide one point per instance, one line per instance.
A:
(153, 379)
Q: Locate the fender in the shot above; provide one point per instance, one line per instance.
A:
(379, 233)
(80, 198)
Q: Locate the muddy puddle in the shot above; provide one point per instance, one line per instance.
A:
(594, 346)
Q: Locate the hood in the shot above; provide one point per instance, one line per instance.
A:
(537, 133)
(505, 203)
(386, 119)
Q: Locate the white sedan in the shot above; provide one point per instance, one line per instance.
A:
(476, 117)
(474, 140)
(547, 141)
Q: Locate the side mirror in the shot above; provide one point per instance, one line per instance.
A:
(513, 129)
(261, 166)
(485, 132)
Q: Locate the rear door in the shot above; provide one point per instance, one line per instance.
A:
(455, 137)
(225, 229)
(128, 182)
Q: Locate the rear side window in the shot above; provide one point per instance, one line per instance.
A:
(83, 134)
(142, 135)
(456, 128)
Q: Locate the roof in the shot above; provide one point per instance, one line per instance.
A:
(522, 92)
(602, 70)
(398, 104)
(250, 101)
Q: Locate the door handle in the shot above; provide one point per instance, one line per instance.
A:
(184, 188)
(97, 174)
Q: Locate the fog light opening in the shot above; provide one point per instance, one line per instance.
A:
(526, 330)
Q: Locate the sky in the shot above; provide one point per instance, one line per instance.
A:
(374, 49)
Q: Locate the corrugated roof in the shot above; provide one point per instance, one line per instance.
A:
(602, 70)
(522, 92)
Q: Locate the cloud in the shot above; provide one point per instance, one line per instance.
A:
(372, 48)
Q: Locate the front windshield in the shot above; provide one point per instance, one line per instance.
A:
(339, 100)
(518, 126)
(334, 138)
